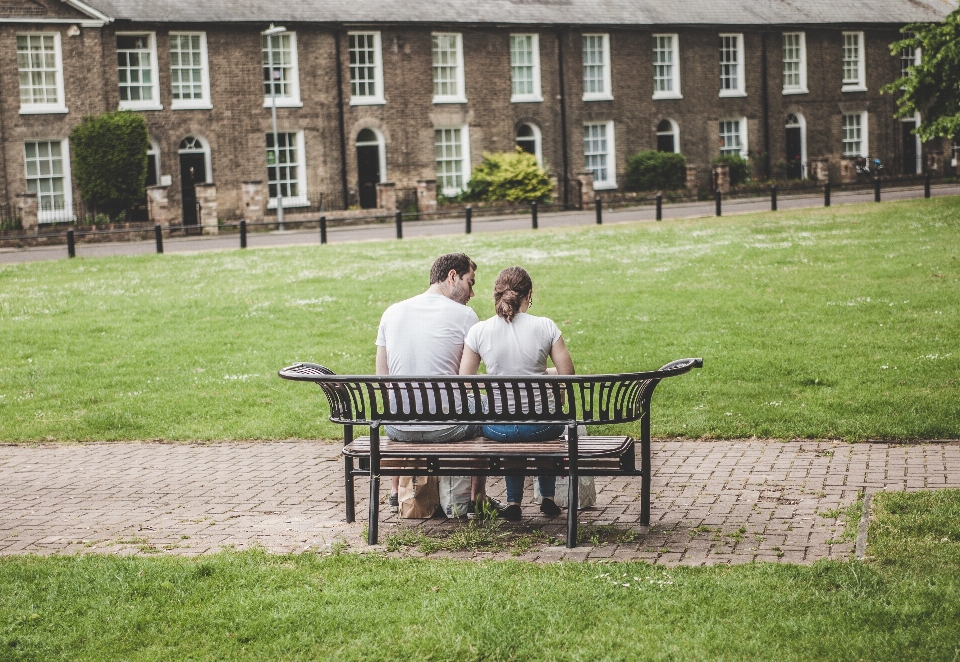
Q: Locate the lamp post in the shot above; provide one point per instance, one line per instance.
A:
(275, 75)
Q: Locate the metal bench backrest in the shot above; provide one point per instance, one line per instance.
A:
(584, 399)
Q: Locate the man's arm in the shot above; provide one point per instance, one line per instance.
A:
(383, 367)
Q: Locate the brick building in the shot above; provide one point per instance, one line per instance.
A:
(421, 91)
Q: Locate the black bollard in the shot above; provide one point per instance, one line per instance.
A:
(533, 214)
(469, 213)
(773, 198)
(926, 185)
(659, 206)
(243, 234)
(71, 247)
(158, 234)
(399, 225)
(599, 206)
(323, 229)
(826, 194)
(876, 190)
(716, 195)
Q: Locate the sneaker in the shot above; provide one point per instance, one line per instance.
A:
(394, 501)
(512, 513)
(485, 509)
(549, 507)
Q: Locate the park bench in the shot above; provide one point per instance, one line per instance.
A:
(372, 401)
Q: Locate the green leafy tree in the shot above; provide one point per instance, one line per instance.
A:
(656, 171)
(512, 176)
(932, 87)
(110, 160)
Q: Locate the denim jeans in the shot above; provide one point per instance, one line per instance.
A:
(548, 484)
(453, 433)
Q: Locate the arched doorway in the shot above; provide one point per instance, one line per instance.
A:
(153, 164)
(796, 146)
(668, 136)
(194, 169)
(370, 166)
(528, 139)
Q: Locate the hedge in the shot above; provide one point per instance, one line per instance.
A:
(656, 171)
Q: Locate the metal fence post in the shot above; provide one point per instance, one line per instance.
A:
(773, 198)
(659, 206)
(533, 215)
(71, 246)
(716, 196)
(158, 234)
(399, 225)
(876, 190)
(243, 234)
(599, 206)
(323, 229)
(826, 194)
(469, 218)
(926, 185)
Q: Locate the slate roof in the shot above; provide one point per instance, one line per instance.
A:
(541, 12)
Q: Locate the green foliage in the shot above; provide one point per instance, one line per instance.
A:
(511, 176)
(739, 167)
(656, 171)
(110, 160)
(932, 87)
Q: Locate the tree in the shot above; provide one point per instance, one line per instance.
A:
(513, 176)
(110, 160)
(932, 87)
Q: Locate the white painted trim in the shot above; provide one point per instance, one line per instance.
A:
(674, 131)
(537, 141)
(48, 108)
(607, 94)
(919, 158)
(611, 182)
(381, 150)
(741, 89)
(67, 215)
(54, 21)
(378, 98)
(744, 145)
(195, 104)
(802, 123)
(153, 104)
(465, 165)
(537, 95)
(292, 101)
(802, 88)
(675, 93)
(461, 94)
(154, 150)
(861, 84)
(864, 135)
(207, 164)
(88, 10)
(301, 200)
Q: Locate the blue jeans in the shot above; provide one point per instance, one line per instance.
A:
(548, 484)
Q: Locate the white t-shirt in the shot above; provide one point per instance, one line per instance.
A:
(520, 347)
(424, 336)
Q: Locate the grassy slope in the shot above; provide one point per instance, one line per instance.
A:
(838, 322)
(903, 606)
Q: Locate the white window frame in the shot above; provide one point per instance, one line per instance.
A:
(460, 95)
(465, 167)
(860, 84)
(607, 93)
(674, 131)
(66, 214)
(674, 70)
(537, 94)
(914, 60)
(153, 152)
(802, 87)
(611, 153)
(537, 141)
(205, 150)
(378, 97)
(43, 108)
(153, 104)
(864, 135)
(301, 200)
(194, 104)
(802, 124)
(742, 131)
(741, 88)
(293, 99)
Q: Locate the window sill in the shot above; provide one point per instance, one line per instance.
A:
(42, 110)
(667, 95)
(283, 103)
(526, 99)
(732, 93)
(202, 105)
(289, 203)
(604, 186)
(795, 90)
(449, 99)
(367, 101)
(598, 97)
(854, 88)
(123, 105)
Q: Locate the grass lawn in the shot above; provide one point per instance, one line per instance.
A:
(830, 323)
(904, 604)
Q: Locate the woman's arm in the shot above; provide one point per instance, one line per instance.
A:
(470, 362)
(560, 356)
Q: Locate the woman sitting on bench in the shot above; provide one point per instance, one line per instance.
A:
(517, 343)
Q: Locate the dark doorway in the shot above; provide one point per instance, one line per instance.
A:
(368, 168)
(527, 139)
(665, 137)
(909, 148)
(794, 153)
(193, 171)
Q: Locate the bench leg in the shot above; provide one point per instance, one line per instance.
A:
(645, 468)
(351, 504)
(573, 485)
(374, 519)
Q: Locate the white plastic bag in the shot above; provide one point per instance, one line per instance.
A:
(455, 495)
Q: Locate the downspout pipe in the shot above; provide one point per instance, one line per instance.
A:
(563, 118)
(337, 37)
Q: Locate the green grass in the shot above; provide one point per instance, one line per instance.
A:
(904, 605)
(830, 323)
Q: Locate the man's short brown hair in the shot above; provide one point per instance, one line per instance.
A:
(443, 264)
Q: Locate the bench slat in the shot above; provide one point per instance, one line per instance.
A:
(588, 446)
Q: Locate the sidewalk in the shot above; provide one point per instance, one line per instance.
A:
(386, 230)
(713, 502)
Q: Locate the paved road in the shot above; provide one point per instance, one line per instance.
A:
(386, 231)
(714, 502)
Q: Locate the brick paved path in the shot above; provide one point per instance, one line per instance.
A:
(714, 502)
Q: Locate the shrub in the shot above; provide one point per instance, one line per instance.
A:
(739, 167)
(656, 171)
(110, 160)
(513, 176)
